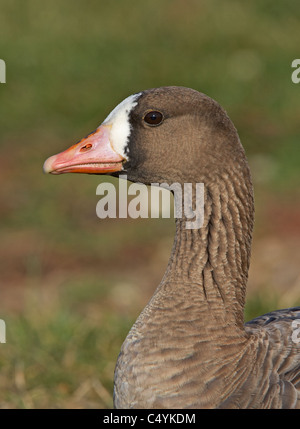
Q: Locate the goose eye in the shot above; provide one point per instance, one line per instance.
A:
(153, 118)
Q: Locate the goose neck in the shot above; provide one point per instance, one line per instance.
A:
(216, 255)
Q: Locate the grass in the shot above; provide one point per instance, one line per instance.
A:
(71, 285)
(56, 353)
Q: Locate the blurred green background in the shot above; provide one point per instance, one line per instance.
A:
(71, 284)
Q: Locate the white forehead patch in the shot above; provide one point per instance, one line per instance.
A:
(119, 120)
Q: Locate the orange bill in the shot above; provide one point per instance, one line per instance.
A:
(92, 155)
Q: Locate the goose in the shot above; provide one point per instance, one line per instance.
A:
(190, 347)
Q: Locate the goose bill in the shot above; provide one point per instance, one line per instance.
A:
(92, 155)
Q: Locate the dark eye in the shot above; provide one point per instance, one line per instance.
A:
(153, 118)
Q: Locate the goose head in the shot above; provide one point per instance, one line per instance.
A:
(179, 135)
(167, 134)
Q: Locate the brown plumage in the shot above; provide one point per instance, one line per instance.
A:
(189, 348)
